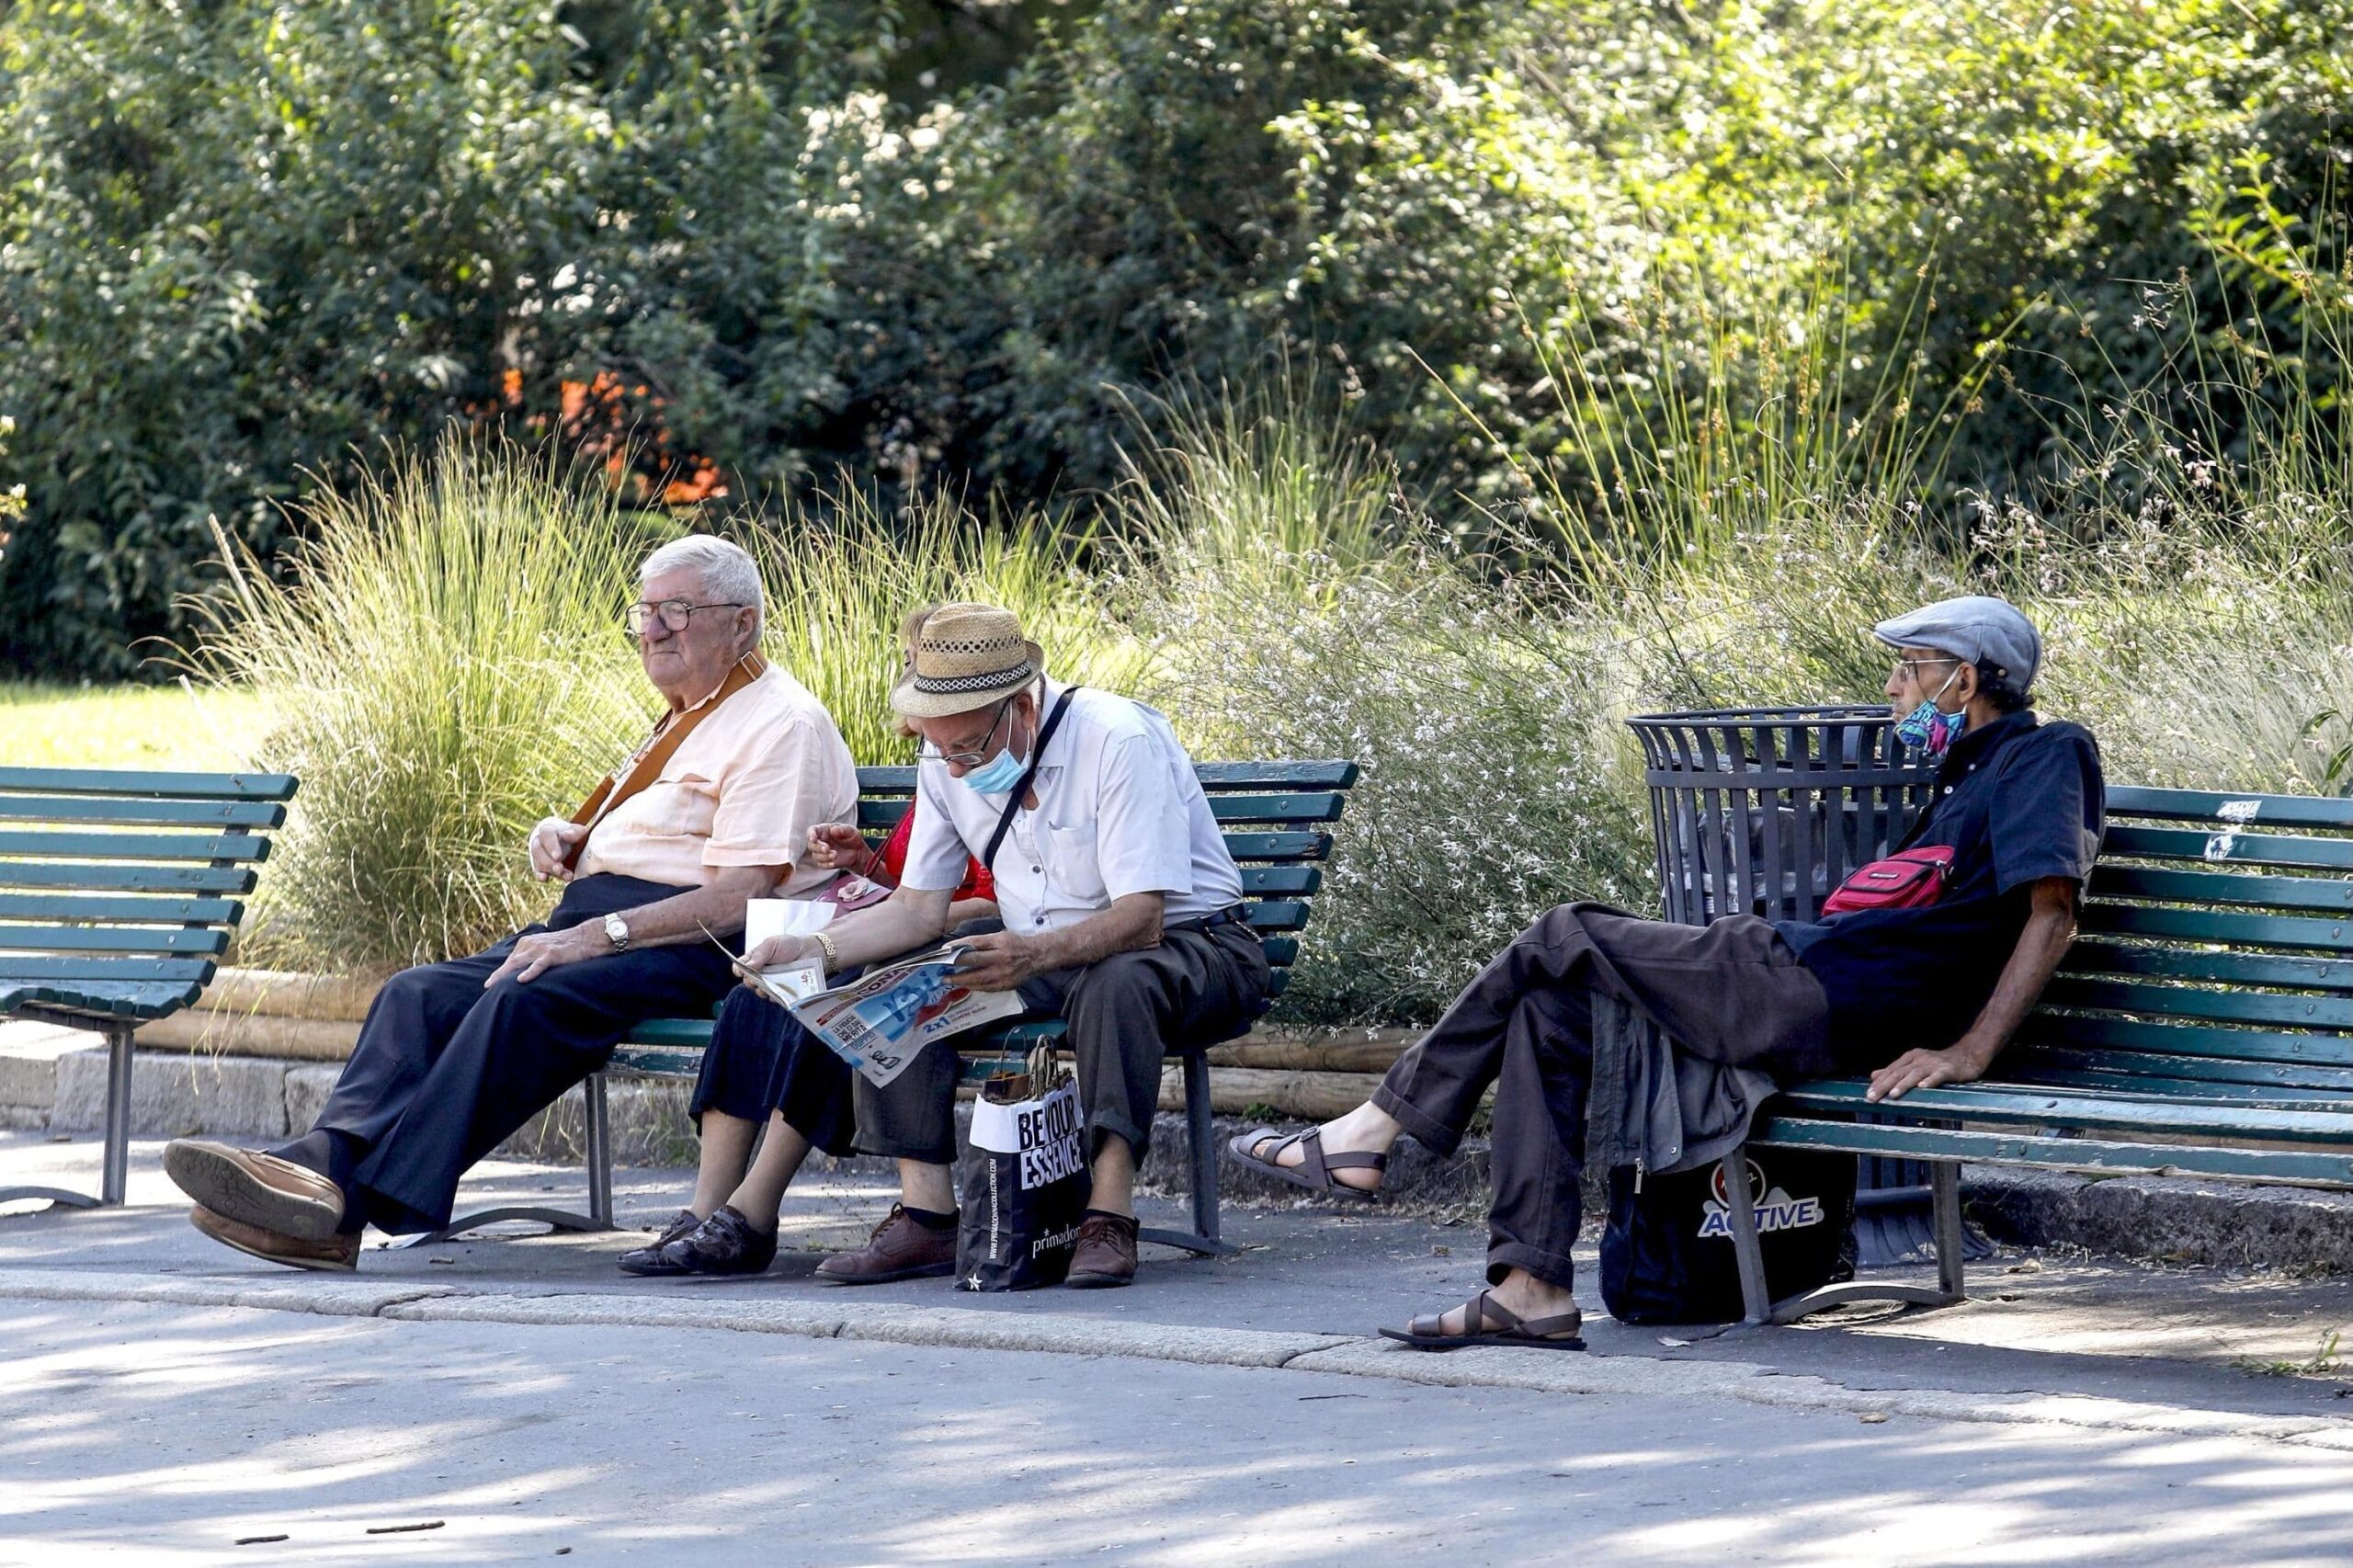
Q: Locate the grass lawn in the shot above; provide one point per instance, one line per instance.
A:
(152, 727)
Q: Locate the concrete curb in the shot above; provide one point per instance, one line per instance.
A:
(976, 1328)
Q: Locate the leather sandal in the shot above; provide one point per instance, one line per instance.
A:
(1315, 1169)
(1556, 1333)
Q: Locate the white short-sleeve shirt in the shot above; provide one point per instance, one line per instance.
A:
(1120, 812)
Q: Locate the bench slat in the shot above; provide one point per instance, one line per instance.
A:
(1279, 845)
(2217, 926)
(83, 878)
(139, 813)
(136, 846)
(1259, 880)
(2201, 805)
(98, 998)
(136, 911)
(2290, 1167)
(2186, 1040)
(2022, 1106)
(2198, 1002)
(1277, 915)
(2092, 956)
(2221, 887)
(109, 939)
(2035, 1061)
(2236, 848)
(2141, 1085)
(128, 969)
(154, 786)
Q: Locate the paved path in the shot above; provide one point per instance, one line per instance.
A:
(532, 1398)
(160, 1434)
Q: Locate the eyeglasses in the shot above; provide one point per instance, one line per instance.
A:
(1912, 667)
(930, 753)
(675, 614)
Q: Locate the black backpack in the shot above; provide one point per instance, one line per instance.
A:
(1666, 1254)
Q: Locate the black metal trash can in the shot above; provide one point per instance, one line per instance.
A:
(1767, 810)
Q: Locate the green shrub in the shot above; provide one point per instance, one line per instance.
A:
(448, 665)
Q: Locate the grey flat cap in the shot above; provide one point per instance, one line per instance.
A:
(1976, 628)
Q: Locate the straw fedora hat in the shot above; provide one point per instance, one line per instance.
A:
(966, 656)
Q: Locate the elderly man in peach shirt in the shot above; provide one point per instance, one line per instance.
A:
(714, 810)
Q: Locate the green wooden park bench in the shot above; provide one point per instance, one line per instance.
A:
(2200, 1025)
(1278, 817)
(117, 892)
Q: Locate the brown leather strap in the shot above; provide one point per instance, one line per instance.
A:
(645, 764)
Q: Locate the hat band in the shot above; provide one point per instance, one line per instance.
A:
(951, 686)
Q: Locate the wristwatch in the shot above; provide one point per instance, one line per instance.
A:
(617, 933)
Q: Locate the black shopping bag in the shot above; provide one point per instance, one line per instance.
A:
(1666, 1253)
(1025, 1182)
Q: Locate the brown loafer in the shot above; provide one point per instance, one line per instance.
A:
(899, 1249)
(336, 1254)
(1106, 1254)
(254, 1188)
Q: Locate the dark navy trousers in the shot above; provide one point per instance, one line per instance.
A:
(445, 1070)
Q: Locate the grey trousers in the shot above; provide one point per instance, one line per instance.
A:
(1122, 1013)
(1731, 991)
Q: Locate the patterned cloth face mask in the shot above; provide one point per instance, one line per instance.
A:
(1928, 727)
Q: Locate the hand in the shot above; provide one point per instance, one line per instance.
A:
(550, 842)
(777, 952)
(542, 951)
(834, 847)
(1960, 1063)
(997, 961)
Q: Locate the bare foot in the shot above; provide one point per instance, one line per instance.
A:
(1366, 1130)
(1522, 1294)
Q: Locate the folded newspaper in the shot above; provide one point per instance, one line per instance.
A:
(879, 1021)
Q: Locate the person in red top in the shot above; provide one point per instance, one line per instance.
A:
(749, 1076)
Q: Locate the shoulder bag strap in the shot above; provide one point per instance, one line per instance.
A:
(1029, 776)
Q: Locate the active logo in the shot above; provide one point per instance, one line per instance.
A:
(1775, 1211)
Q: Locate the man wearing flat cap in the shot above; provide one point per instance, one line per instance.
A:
(1122, 914)
(1914, 996)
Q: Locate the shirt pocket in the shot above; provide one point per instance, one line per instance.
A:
(677, 808)
(1072, 868)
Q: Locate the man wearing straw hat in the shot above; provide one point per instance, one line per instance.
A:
(1122, 914)
(716, 808)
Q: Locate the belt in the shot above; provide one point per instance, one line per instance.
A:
(1232, 915)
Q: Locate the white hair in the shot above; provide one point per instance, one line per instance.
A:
(725, 570)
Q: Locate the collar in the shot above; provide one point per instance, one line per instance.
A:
(1976, 745)
(751, 663)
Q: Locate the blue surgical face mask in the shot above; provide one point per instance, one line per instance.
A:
(1929, 728)
(998, 774)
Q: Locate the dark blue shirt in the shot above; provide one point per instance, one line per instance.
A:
(2016, 800)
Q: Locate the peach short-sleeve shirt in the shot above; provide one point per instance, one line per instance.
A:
(743, 788)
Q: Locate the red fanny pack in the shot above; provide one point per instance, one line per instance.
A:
(1912, 879)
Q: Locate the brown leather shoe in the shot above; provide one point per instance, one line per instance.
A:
(1106, 1254)
(899, 1249)
(337, 1255)
(254, 1188)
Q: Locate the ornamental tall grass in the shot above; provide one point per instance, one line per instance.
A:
(840, 576)
(446, 657)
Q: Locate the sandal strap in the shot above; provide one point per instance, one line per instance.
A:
(1355, 1159)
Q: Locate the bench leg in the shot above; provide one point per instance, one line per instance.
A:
(1202, 1240)
(114, 1177)
(1944, 1188)
(1747, 1249)
(599, 1151)
(114, 1167)
(598, 1139)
